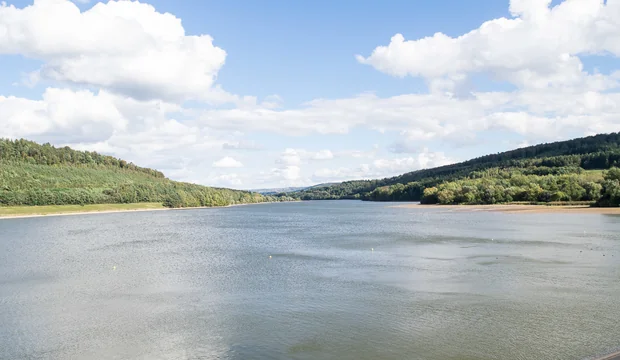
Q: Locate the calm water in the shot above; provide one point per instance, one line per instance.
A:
(200, 284)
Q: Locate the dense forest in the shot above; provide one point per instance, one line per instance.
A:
(568, 171)
(34, 174)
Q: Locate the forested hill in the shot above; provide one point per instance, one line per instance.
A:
(544, 169)
(34, 174)
(46, 154)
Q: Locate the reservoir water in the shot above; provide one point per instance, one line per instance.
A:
(311, 280)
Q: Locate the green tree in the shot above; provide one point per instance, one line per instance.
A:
(430, 196)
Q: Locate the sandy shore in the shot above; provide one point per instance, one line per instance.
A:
(94, 212)
(517, 209)
(86, 212)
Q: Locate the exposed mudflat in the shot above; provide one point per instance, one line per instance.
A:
(530, 209)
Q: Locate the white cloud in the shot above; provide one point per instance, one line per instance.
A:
(426, 113)
(322, 155)
(427, 117)
(227, 162)
(289, 157)
(538, 48)
(522, 145)
(424, 160)
(336, 174)
(146, 133)
(289, 172)
(242, 145)
(107, 97)
(382, 168)
(272, 102)
(61, 114)
(228, 179)
(123, 46)
(289, 175)
(298, 156)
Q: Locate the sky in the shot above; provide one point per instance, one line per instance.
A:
(267, 94)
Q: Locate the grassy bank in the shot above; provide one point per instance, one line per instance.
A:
(11, 211)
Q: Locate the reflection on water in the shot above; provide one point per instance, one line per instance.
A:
(200, 284)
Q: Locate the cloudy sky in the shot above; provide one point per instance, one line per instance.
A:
(254, 94)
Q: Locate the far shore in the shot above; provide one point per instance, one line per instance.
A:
(17, 212)
(519, 209)
(20, 212)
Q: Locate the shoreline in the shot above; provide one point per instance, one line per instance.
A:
(95, 211)
(87, 212)
(499, 208)
(518, 209)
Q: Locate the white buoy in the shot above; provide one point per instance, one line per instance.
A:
(373, 249)
(270, 256)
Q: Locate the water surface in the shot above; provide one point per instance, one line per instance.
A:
(312, 280)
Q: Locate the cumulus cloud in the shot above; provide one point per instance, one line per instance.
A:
(297, 156)
(289, 157)
(538, 48)
(61, 114)
(124, 46)
(291, 172)
(426, 117)
(120, 71)
(381, 168)
(429, 114)
(144, 131)
(227, 162)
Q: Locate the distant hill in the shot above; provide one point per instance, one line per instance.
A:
(287, 190)
(34, 174)
(544, 164)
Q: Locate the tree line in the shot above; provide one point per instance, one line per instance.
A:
(33, 153)
(541, 171)
(33, 174)
(515, 187)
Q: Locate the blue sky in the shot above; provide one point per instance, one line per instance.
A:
(305, 50)
(281, 98)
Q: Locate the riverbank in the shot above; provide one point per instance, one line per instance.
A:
(518, 209)
(12, 212)
(16, 212)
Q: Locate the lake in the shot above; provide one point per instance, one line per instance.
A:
(311, 280)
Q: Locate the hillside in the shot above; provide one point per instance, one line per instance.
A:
(559, 171)
(34, 174)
